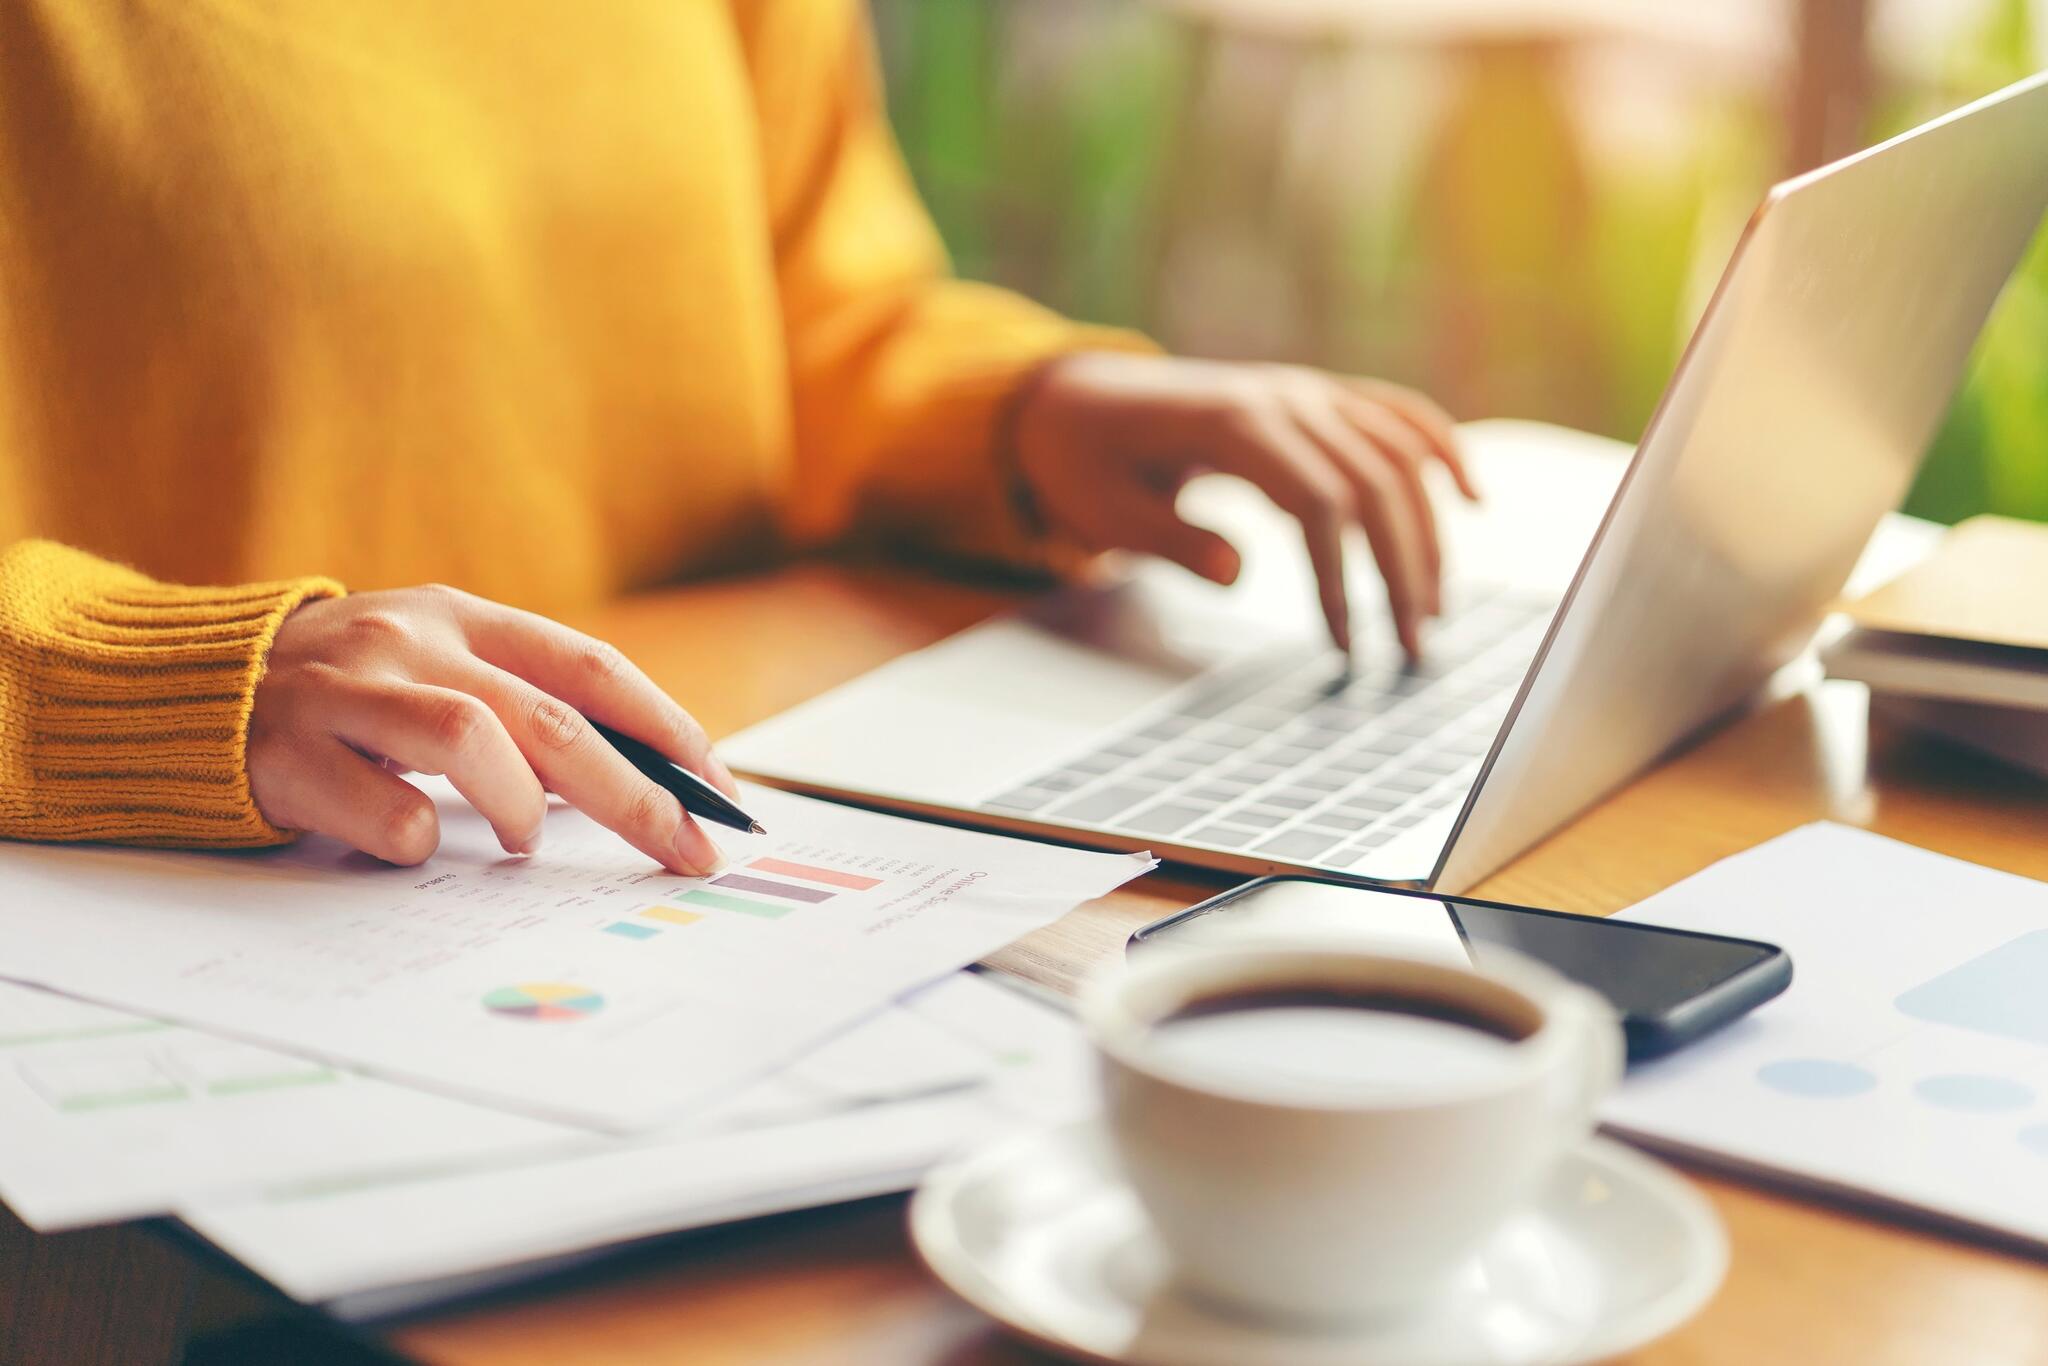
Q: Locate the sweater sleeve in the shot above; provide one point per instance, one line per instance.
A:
(124, 702)
(902, 376)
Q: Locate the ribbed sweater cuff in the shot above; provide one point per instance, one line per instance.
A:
(131, 722)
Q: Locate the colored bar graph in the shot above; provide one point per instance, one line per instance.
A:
(741, 882)
(627, 929)
(834, 877)
(674, 915)
(697, 896)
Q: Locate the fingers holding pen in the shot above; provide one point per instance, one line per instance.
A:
(572, 759)
(597, 679)
(445, 731)
(356, 687)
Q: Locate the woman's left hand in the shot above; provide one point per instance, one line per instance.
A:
(1104, 443)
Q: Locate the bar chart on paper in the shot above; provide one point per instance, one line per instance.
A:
(764, 888)
(583, 984)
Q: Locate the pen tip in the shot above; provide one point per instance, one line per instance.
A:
(756, 829)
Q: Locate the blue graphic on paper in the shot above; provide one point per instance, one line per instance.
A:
(1816, 1078)
(1963, 1091)
(2003, 991)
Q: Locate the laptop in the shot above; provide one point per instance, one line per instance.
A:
(1602, 606)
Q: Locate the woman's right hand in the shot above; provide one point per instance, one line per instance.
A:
(435, 680)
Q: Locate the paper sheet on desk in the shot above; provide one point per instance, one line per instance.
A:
(467, 1228)
(1907, 1061)
(580, 985)
(110, 1115)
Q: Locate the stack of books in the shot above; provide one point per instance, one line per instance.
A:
(1959, 644)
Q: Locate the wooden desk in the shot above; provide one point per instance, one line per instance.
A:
(1808, 1285)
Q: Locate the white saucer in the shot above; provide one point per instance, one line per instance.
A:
(1041, 1234)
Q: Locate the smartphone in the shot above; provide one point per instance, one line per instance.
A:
(1669, 986)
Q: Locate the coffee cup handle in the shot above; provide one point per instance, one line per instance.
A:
(1602, 1055)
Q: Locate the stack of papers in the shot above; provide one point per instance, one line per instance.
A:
(1906, 1065)
(545, 1054)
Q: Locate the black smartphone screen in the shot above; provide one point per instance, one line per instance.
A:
(1668, 985)
(1645, 970)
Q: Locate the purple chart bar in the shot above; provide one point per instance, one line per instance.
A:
(740, 882)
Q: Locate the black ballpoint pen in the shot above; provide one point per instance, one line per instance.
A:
(698, 797)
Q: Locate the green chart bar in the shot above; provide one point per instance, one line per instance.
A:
(700, 897)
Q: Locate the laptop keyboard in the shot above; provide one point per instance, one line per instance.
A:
(1278, 757)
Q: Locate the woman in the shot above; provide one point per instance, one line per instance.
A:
(548, 307)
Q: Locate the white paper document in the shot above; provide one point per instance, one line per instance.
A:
(581, 984)
(1907, 1061)
(322, 1243)
(106, 1115)
(109, 1115)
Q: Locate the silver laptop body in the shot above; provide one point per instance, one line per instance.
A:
(1602, 607)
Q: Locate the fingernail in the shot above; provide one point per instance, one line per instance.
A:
(531, 844)
(696, 853)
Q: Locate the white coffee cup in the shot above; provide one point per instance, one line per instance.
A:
(1343, 1203)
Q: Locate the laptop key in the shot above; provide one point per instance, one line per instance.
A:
(1166, 818)
(1203, 707)
(1261, 816)
(1299, 844)
(1023, 799)
(1233, 738)
(1228, 836)
(1368, 805)
(1333, 821)
(1101, 805)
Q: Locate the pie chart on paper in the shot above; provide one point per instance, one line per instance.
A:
(544, 1001)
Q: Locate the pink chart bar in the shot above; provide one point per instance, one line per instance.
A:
(809, 872)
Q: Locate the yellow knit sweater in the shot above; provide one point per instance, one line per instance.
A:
(549, 301)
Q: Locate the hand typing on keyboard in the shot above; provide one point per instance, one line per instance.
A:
(1268, 758)
(1104, 443)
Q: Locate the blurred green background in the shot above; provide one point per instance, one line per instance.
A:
(1519, 205)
